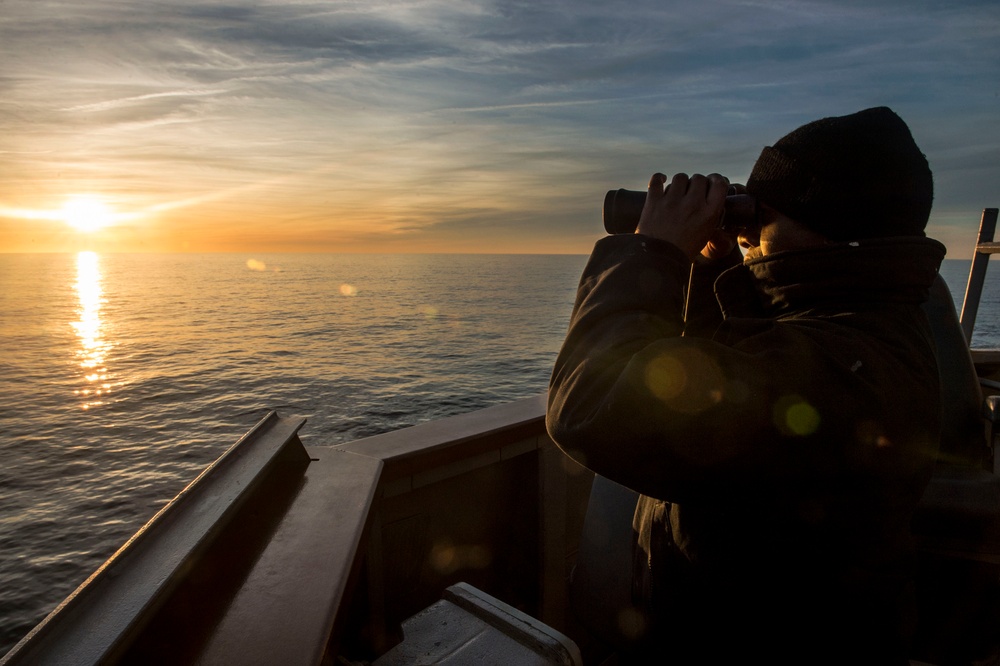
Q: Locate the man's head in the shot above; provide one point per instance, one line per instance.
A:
(848, 177)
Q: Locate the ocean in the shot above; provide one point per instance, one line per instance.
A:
(125, 375)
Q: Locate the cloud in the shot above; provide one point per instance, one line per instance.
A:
(138, 99)
(413, 118)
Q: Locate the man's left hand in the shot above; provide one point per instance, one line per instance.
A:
(686, 213)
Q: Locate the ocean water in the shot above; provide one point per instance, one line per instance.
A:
(125, 375)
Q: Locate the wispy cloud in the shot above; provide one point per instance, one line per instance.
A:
(129, 101)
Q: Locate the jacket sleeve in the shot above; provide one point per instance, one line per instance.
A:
(675, 416)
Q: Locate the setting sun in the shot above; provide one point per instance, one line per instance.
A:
(86, 213)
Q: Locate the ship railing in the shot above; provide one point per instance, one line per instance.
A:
(293, 554)
(985, 248)
(987, 361)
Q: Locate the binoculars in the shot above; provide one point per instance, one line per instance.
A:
(622, 209)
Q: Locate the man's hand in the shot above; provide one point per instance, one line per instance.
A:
(687, 213)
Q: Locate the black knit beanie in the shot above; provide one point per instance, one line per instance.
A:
(848, 177)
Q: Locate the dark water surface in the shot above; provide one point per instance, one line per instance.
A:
(125, 375)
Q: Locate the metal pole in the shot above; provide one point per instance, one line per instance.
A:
(977, 274)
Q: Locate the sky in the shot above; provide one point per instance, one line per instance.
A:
(451, 126)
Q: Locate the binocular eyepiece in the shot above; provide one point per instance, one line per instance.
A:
(622, 209)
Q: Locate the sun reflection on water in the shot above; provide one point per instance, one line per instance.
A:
(93, 347)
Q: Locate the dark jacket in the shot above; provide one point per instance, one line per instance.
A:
(780, 436)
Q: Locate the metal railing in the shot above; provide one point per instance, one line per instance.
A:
(977, 274)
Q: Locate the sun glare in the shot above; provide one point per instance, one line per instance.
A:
(86, 213)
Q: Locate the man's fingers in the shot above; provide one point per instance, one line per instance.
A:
(656, 182)
(654, 193)
(677, 188)
(718, 187)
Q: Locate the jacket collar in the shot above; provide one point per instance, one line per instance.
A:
(835, 277)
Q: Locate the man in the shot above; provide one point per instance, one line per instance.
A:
(782, 430)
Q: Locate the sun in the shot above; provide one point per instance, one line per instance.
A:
(86, 213)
